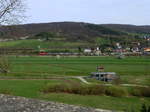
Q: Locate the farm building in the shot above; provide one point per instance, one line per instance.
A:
(104, 76)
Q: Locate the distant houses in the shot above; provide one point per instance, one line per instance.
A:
(134, 51)
(92, 51)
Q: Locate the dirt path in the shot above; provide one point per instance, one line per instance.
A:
(81, 78)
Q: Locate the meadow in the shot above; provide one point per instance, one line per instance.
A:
(34, 43)
(31, 89)
(132, 70)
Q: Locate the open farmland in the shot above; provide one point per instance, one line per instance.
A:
(131, 69)
(31, 89)
(29, 78)
(34, 43)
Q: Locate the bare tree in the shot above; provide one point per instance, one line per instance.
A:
(11, 11)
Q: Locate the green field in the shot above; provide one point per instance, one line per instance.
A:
(34, 43)
(132, 70)
(31, 89)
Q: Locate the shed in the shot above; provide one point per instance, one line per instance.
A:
(104, 76)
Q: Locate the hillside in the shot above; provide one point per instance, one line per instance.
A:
(70, 30)
(129, 28)
(72, 35)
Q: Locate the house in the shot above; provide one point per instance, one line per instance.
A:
(92, 51)
(87, 51)
(147, 51)
(104, 76)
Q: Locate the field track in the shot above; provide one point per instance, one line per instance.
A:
(81, 78)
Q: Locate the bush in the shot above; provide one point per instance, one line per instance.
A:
(141, 91)
(145, 91)
(116, 91)
(4, 65)
(73, 87)
(80, 89)
(5, 91)
(134, 92)
(96, 90)
(117, 81)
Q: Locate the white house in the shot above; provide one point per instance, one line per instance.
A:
(87, 51)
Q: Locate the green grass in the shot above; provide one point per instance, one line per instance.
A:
(26, 88)
(131, 69)
(31, 89)
(43, 44)
(104, 102)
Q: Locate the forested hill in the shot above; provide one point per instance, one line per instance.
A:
(129, 28)
(68, 29)
(72, 30)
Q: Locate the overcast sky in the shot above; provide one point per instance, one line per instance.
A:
(93, 11)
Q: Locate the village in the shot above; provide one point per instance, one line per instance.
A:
(94, 51)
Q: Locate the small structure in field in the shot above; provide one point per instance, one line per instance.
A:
(103, 76)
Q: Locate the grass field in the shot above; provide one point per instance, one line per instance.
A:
(132, 70)
(34, 43)
(31, 89)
